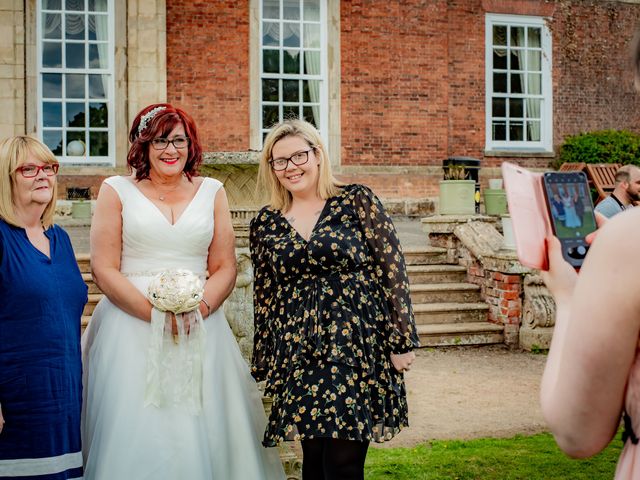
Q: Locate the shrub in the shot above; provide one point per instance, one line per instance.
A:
(606, 146)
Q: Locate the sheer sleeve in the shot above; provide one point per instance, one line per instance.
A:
(384, 245)
(262, 299)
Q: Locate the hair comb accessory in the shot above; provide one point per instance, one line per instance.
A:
(147, 117)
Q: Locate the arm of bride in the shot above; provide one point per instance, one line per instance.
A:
(106, 248)
(221, 263)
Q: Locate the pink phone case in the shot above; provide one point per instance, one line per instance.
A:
(529, 214)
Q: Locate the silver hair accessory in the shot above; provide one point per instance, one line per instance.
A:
(147, 117)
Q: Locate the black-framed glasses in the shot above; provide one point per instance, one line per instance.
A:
(31, 170)
(178, 142)
(298, 158)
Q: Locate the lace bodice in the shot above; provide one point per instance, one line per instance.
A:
(150, 243)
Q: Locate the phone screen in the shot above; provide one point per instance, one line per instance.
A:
(570, 205)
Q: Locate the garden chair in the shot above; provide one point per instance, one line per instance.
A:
(602, 178)
(572, 167)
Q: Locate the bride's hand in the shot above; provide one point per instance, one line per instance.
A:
(180, 317)
(1, 420)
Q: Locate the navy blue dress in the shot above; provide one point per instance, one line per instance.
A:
(41, 303)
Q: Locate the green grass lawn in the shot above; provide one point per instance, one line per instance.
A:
(520, 458)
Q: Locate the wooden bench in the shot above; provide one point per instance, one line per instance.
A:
(572, 167)
(603, 178)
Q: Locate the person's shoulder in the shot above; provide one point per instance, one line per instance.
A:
(60, 234)
(357, 189)
(263, 218)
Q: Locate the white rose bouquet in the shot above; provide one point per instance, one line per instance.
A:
(174, 369)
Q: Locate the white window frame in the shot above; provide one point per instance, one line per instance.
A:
(546, 108)
(322, 77)
(110, 159)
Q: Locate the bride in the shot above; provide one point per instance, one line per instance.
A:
(161, 218)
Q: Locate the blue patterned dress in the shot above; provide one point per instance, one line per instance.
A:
(41, 303)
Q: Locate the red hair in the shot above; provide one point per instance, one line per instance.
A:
(161, 125)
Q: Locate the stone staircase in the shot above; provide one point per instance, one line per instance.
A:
(94, 292)
(448, 310)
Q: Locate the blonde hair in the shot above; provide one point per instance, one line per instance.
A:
(279, 197)
(14, 151)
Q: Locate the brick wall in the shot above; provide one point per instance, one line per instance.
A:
(208, 68)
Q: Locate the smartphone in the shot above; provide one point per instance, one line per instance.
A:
(568, 201)
(529, 214)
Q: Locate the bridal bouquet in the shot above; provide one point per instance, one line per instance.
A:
(174, 369)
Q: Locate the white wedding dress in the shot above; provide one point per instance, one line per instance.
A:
(123, 439)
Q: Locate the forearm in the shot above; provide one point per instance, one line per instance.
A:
(219, 286)
(122, 293)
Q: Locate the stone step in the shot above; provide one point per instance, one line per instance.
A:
(483, 333)
(84, 321)
(94, 298)
(83, 262)
(450, 313)
(425, 255)
(444, 293)
(88, 279)
(436, 273)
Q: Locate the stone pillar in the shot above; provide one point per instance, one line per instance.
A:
(12, 68)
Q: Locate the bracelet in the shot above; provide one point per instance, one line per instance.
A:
(208, 306)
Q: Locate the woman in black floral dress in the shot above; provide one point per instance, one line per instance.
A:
(334, 327)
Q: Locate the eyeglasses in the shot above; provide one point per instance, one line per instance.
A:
(298, 158)
(30, 170)
(177, 142)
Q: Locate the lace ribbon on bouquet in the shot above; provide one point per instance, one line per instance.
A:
(174, 363)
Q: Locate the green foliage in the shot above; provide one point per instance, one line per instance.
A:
(605, 146)
(534, 457)
(538, 350)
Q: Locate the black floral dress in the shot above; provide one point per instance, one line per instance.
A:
(328, 314)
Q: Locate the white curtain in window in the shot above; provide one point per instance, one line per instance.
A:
(530, 81)
(102, 33)
(312, 65)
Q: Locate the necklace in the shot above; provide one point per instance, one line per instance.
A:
(163, 195)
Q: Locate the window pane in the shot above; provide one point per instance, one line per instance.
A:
(97, 85)
(292, 61)
(74, 4)
(500, 58)
(498, 107)
(74, 86)
(269, 115)
(98, 115)
(291, 10)
(53, 140)
(290, 111)
(290, 90)
(51, 114)
(500, 82)
(51, 25)
(534, 82)
(270, 34)
(270, 90)
(499, 131)
(291, 35)
(75, 55)
(533, 131)
(534, 35)
(514, 59)
(271, 61)
(312, 63)
(312, 35)
(75, 115)
(52, 85)
(516, 82)
(500, 35)
(311, 10)
(51, 55)
(517, 37)
(97, 5)
(98, 56)
(533, 107)
(309, 115)
(516, 108)
(51, 4)
(74, 27)
(76, 137)
(98, 25)
(534, 60)
(270, 9)
(516, 131)
(311, 91)
(98, 144)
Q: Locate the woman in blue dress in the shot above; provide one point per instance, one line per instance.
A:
(42, 296)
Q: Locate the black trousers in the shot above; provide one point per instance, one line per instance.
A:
(333, 459)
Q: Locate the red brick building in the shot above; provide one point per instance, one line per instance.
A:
(395, 87)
